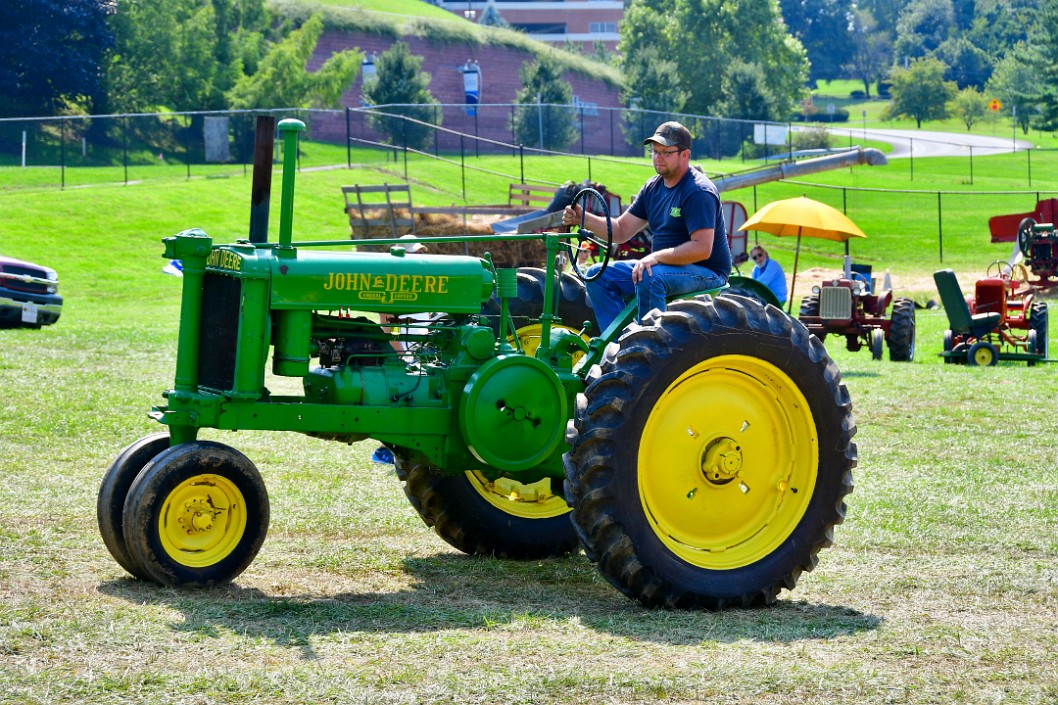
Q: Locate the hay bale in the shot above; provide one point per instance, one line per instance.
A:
(504, 252)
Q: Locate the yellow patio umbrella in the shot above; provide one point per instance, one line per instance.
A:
(803, 217)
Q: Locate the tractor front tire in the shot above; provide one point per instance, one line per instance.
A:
(197, 515)
(110, 502)
(810, 307)
(902, 331)
(710, 456)
(499, 518)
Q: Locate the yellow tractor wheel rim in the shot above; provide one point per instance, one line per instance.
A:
(527, 500)
(728, 462)
(202, 521)
(529, 338)
(983, 356)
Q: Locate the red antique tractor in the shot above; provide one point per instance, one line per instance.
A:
(846, 306)
(1036, 239)
(1002, 320)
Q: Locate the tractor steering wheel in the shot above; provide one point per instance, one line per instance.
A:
(1001, 269)
(583, 235)
(1025, 235)
(859, 276)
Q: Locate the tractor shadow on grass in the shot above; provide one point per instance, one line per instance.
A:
(456, 592)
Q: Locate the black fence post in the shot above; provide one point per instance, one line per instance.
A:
(187, 146)
(610, 113)
(477, 142)
(125, 146)
(348, 138)
(404, 139)
(463, 166)
(62, 152)
(521, 161)
(1028, 157)
(582, 129)
(940, 230)
(437, 121)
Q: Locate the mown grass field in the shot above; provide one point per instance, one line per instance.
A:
(942, 586)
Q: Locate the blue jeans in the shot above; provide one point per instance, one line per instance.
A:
(610, 292)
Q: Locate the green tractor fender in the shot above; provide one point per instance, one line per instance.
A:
(751, 289)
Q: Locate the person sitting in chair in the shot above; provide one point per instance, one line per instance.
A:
(768, 272)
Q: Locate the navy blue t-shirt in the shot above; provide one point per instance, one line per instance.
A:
(674, 213)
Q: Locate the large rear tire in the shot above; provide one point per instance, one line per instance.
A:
(902, 331)
(501, 518)
(711, 453)
(1038, 323)
(197, 515)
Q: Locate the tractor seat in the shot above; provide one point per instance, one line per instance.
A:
(990, 296)
(959, 318)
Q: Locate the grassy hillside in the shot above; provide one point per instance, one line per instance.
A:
(407, 8)
(445, 28)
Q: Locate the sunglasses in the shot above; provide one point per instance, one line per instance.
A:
(659, 153)
(759, 255)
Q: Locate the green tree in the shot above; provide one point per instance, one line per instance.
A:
(704, 38)
(650, 90)
(999, 26)
(969, 106)
(1045, 62)
(545, 116)
(967, 65)
(400, 82)
(281, 80)
(182, 54)
(885, 12)
(822, 26)
(748, 93)
(920, 91)
(491, 17)
(872, 49)
(921, 27)
(51, 54)
(1016, 83)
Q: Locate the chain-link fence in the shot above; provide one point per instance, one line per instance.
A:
(82, 150)
(75, 150)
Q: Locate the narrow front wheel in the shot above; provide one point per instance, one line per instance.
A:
(197, 515)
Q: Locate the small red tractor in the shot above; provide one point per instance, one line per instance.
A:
(1002, 320)
(846, 306)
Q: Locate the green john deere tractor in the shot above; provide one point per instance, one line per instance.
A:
(700, 458)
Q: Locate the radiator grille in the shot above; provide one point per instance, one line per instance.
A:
(18, 285)
(835, 302)
(219, 331)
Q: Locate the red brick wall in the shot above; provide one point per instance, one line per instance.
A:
(500, 83)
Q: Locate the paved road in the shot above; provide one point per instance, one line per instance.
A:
(923, 143)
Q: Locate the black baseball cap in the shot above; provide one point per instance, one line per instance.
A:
(671, 134)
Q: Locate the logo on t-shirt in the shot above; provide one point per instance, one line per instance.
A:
(674, 212)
